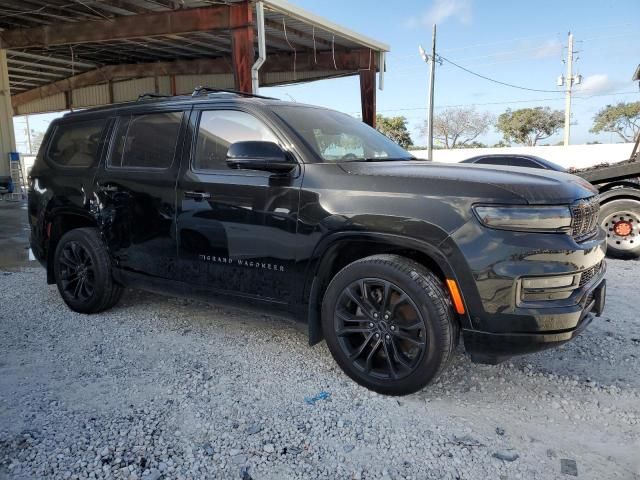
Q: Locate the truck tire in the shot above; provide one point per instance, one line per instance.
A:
(82, 270)
(621, 220)
(388, 323)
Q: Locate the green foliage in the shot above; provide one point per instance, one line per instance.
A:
(473, 144)
(623, 119)
(529, 125)
(394, 128)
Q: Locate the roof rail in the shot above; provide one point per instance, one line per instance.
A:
(142, 96)
(200, 90)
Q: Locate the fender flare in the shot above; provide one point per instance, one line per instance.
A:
(51, 213)
(331, 244)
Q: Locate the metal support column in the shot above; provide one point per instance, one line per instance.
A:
(7, 135)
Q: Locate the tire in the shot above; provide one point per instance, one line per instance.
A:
(82, 270)
(414, 342)
(621, 213)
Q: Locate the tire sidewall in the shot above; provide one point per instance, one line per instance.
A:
(433, 357)
(617, 206)
(102, 272)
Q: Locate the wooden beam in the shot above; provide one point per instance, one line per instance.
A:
(283, 62)
(368, 96)
(307, 61)
(122, 72)
(242, 53)
(133, 26)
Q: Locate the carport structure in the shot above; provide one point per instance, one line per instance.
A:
(62, 54)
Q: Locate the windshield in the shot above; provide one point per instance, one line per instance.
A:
(337, 137)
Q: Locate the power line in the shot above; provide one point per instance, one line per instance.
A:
(496, 81)
(508, 102)
(547, 35)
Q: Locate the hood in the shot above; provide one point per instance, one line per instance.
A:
(534, 186)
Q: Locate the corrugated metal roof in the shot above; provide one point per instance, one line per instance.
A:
(54, 103)
(288, 29)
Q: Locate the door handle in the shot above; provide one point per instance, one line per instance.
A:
(198, 196)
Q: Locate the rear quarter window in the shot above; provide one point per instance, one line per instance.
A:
(146, 141)
(77, 144)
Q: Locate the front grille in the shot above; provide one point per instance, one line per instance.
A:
(588, 274)
(584, 214)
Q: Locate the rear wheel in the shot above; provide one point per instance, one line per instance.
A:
(82, 270)
(388, 324)
(621, 220)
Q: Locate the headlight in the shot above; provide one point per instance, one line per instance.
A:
(526, 218)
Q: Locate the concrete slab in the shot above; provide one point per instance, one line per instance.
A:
(14, 235)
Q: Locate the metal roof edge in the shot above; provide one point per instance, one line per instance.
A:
(284, 7)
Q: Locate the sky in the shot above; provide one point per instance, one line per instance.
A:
(516, 42)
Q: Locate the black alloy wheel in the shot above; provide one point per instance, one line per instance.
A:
(83, 272)
(388, 323)
(380, 328)
(77, 273)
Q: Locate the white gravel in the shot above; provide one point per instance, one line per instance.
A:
(168, 388)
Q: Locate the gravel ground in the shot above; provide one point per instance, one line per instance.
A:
(169, 388)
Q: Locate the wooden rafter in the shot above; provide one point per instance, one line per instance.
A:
(351, 61)
(118, 28)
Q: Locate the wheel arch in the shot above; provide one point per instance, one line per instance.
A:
(620, 191)
(58, 222)
(340, 249)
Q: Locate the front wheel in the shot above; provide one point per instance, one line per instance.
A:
(82, 270)
(621, 220)
(388, 324)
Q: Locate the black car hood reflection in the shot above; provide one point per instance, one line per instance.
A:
(532, 185)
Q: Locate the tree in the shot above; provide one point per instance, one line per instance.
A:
(623, 119)
(473, 144)
(394, 128)
(529, 125)
(459, 127)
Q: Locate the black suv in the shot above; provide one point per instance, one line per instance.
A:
(309, 210)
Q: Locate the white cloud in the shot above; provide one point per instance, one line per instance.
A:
(597, 83)
(442, 10)
(550, 48)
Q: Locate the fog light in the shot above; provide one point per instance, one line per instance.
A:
(548, 282)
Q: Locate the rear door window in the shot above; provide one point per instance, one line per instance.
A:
(146, 141)
(77, 144)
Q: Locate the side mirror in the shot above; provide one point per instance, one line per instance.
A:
(259, 155)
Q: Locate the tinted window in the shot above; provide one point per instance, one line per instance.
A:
(492, 161)
(77, 144)
(146, 141)
(218, 130)
(523, 162)
(510, 161)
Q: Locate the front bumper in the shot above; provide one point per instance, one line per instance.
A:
(490, 266)
(488, 347)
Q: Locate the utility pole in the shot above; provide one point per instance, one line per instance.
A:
(431, 59)
(567, 102)
(26, 117)
(568, 82)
